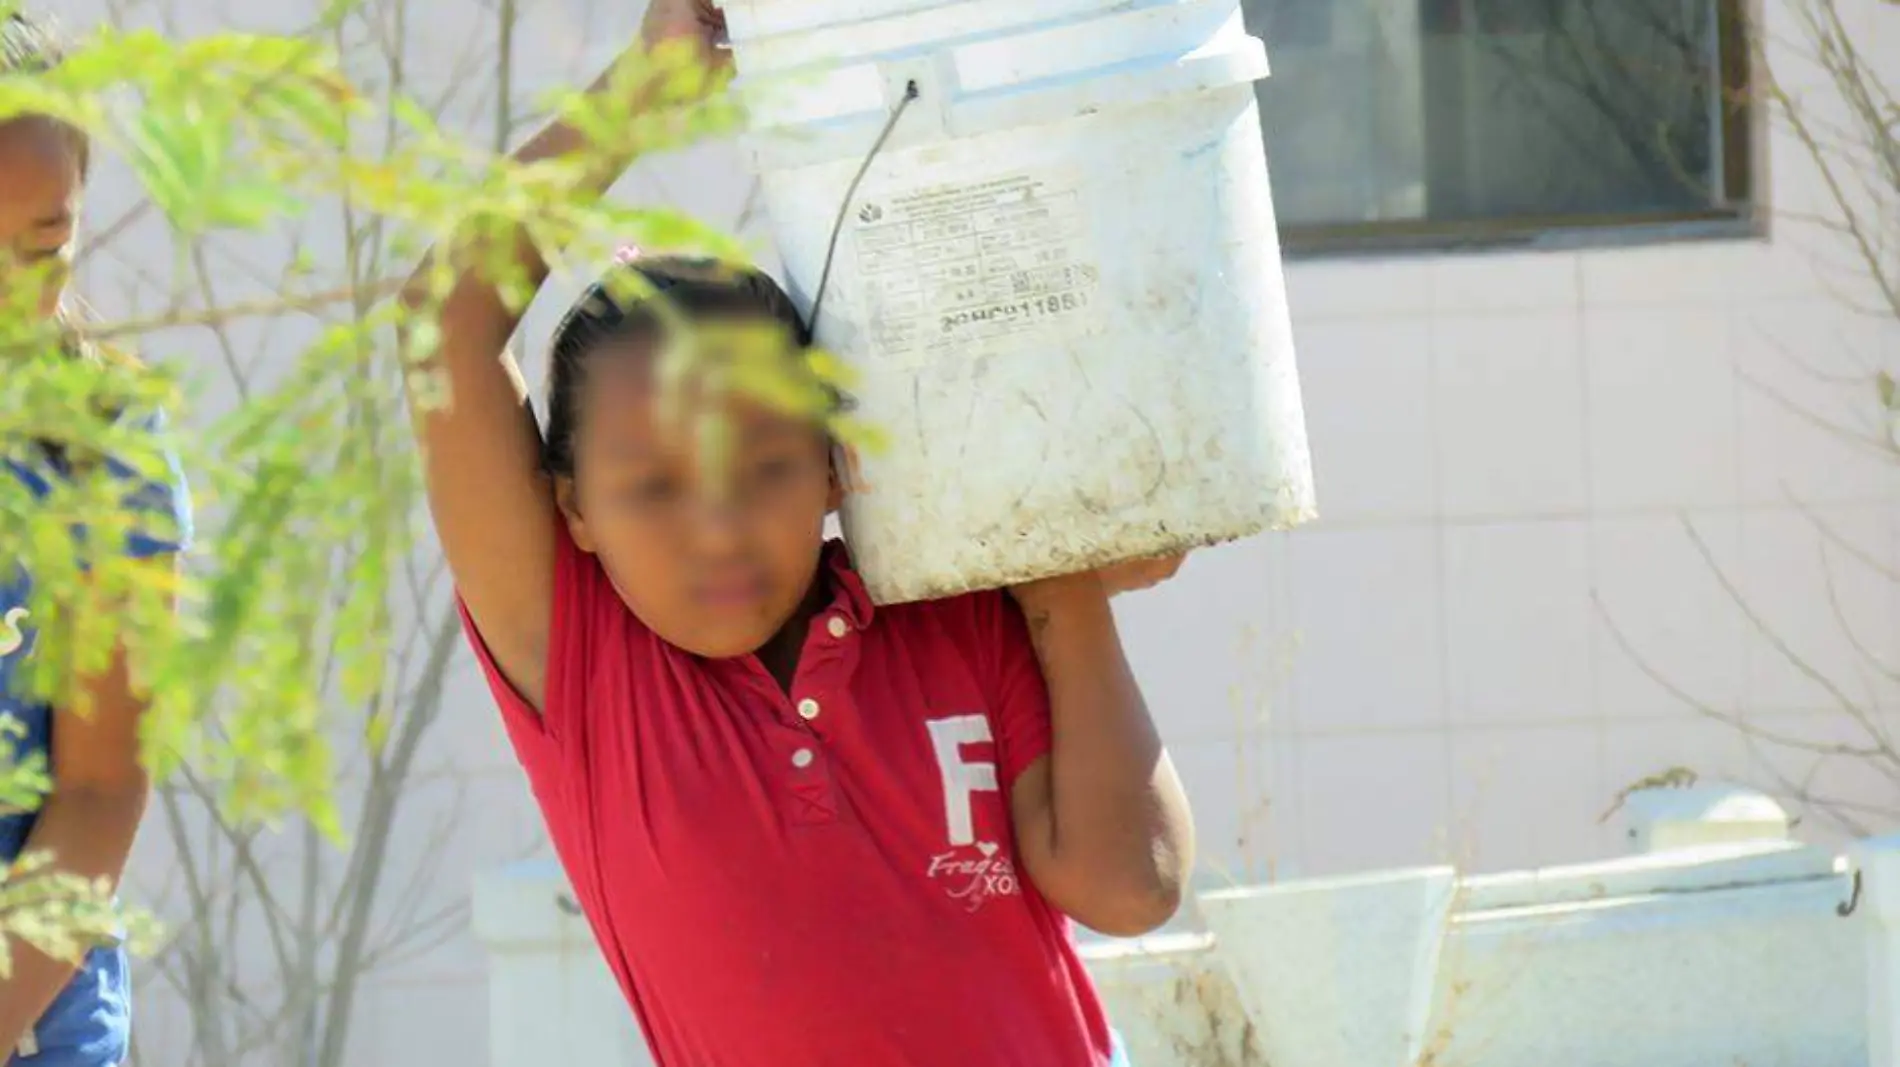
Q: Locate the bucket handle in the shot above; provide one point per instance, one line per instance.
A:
(909, 97)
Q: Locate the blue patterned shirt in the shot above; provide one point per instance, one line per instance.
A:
(89, 1024)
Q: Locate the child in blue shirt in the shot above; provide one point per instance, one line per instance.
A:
(53, 1013)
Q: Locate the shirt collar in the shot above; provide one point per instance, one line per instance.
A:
(848, 596)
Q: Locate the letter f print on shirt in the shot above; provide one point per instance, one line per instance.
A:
(961, 777)
(974, 872)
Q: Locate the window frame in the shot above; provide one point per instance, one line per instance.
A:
(1736, 216)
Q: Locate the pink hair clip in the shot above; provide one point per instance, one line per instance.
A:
(626, 254)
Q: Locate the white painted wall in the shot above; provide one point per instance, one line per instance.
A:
(1510, 450)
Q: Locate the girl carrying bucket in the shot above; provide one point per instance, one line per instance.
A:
(53, 1014)
(805, 830)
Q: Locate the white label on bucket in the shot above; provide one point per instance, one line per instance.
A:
(974, 267)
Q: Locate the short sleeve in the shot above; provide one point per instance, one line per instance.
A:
(585, 608)
(1019, 713)
(523, 723)
(161, 505)
(157, 501)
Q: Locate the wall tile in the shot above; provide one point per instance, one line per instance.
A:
(1662, 408)
(1527, 798)
(1237, 789)
(1677, 275)
(1518, 622)
(1370, 625)
(1482, 283)
(1818, 589)
(1372, 802)
(1215, 648)
(1811, 427)
(1669, 636)
(1358, 288)
(1369, 417)
(1510, 415)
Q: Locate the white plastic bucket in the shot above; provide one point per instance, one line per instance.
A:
(1060, 278)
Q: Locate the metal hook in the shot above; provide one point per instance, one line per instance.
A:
(1848, 906)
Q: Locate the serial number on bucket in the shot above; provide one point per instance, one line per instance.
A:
(1040, 307)
(973, 267)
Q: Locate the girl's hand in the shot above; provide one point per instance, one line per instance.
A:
(695, 20)
(1140, 574)
(1105, 582)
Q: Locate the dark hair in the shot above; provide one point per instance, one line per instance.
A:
(33, 46)
(693, 289)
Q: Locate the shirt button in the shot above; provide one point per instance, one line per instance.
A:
(838, 626)
(808, 709)
(802, 758)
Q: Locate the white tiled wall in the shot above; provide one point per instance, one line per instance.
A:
(1555, 488)
(1546, 479)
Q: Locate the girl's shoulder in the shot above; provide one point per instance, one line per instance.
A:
(979, 625)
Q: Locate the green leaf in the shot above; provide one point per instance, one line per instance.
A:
(249, 205)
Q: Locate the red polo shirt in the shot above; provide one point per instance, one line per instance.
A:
(826, 878)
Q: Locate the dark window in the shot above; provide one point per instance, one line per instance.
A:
(1444, 122)
(1302, 23)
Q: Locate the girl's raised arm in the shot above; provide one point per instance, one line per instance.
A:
(492, 502)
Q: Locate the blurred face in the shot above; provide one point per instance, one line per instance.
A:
(715, 559)
(40, 185)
